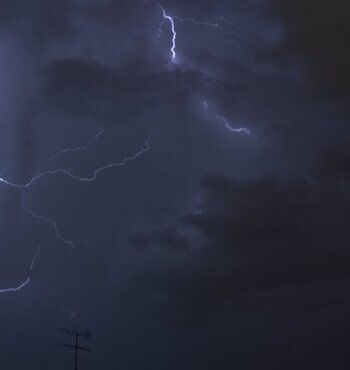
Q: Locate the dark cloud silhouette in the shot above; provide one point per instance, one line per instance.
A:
(267, 234)
(213, 249)
(317, 33)
(335, 163)
(168, 238)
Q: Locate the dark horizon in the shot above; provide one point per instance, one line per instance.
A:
(174, 178)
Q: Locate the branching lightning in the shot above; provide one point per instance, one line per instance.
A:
(16, 289)
(36, 255)
(49, 221)
(68, 173)
(197, 23)
(46, 171)
(218, 23)
(65, 172)
(171, 19)
(85, 147)
(230, 128)
(223, 119)
(173, 30)
(27, 281)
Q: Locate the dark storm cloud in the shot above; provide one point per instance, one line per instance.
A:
(77, 83)
(334, 163)
(318, 33)
(169, 272)
(271, 234)
(276, 231)
(38, 21)
(168, 238)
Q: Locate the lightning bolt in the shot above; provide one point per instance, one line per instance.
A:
(53, 223)
(47, 220)
(173, 30)
(171, 20)
(197, 23)
(44, 170)
(85, 147)
(223, 119)
(17, 289)
(27, 281)
(230, 128)
(67, 173)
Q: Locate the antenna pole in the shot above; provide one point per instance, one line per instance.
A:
(76, 347)
(76, 351)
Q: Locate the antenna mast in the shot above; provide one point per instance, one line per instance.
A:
(76, 347)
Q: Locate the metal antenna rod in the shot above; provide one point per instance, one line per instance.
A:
(75, 346)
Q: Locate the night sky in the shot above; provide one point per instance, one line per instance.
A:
(174, 177)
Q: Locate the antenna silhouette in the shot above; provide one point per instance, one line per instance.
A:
(75, 346)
